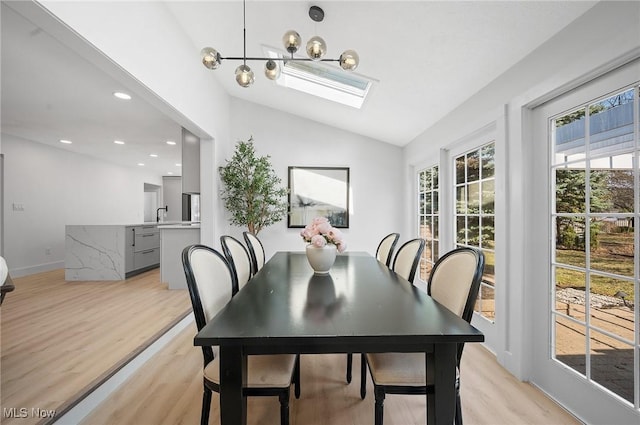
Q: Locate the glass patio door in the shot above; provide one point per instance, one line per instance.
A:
(587, 340)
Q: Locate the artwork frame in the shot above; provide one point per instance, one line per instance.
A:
(318, 191)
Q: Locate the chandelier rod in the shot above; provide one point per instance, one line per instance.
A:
(244, 30)
(278, 59)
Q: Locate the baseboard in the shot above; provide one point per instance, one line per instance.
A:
(26, 271)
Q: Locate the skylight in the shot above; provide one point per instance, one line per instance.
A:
(324, 81)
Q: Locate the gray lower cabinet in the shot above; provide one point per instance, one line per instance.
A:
(142, 248)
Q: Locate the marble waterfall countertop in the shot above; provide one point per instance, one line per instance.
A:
(146, 223)
(95, 252)
(182, 225)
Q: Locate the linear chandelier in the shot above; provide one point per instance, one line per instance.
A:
(316, 49)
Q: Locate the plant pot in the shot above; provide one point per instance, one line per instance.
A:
(321, 259)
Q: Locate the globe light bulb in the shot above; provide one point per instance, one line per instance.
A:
(291, 40)
(271, 70)
(210, 58)
(349, 60)
(244, 76)
(316, 48)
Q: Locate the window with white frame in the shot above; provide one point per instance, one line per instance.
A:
(594, 250)
(475, 216)
(428, 215)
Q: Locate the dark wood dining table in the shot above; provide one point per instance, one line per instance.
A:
(360, 306)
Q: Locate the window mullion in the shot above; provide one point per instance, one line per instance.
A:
(587, 240)
(636, 238)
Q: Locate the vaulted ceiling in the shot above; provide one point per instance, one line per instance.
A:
(425, 58)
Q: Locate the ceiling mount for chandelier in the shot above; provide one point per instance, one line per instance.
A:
(316, 49)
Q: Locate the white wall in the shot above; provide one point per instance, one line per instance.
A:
(375, 172)
(56, 188)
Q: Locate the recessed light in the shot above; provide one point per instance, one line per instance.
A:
(169, 172)
(66, 142)
(178, 165)
(171, 142)
(118, 142)
(121, 95)
(153, 155)
(141, 164)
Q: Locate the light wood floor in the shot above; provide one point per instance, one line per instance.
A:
(168, 390)
(60, 338)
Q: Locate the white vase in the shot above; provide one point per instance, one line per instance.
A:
(321, 259)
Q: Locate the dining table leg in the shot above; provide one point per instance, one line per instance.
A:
(441, 404)
(233, 376)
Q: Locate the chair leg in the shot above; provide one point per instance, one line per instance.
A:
(349, 364)
(206, 406)
(363, 376)
(379, 408)
(296, 376)
(284, 407)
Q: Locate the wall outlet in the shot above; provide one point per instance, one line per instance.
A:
(47, 251)
(18, 207)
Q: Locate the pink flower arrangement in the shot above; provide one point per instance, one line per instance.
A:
(320, 232)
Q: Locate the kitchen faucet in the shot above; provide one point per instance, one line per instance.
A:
(166, 210)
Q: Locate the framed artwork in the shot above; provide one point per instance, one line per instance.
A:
(318, 192)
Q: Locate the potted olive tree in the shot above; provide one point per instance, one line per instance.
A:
(251, 189)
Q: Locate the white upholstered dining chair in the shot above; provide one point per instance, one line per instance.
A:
(210, 283)
(408, 258)
(239, 260)
(256, 251)
(454, 282)
(384, 253)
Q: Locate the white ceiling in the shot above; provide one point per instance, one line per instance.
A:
(426, 58)
(50, 93)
